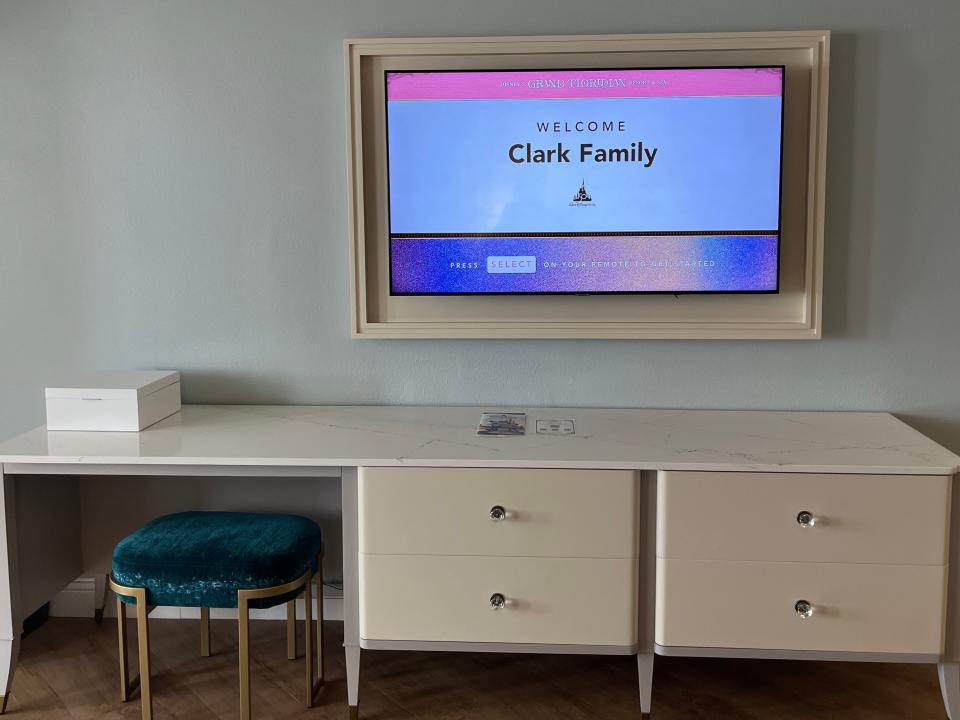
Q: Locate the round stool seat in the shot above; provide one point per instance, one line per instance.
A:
(201, 559)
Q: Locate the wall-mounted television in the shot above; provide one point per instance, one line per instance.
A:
(584, 181)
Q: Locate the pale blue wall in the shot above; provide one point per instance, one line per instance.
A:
(172, 195)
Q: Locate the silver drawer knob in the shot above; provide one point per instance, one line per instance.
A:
(498, 601)
(806, 519)
(804, 609)
(498, 513)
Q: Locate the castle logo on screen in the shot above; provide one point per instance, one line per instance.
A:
(582, 198)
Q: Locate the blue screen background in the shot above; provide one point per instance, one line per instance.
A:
(717, 166)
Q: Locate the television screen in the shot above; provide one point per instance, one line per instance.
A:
(584, 181)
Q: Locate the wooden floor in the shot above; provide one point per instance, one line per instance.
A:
(68, 669)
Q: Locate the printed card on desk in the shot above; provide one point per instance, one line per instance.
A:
(502, 424)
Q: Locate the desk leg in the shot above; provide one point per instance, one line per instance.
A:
(351, 586)
(647, 620)
(9, 590)
(645, 673)
(950, 688)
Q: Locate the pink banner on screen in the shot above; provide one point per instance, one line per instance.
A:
(559, 84)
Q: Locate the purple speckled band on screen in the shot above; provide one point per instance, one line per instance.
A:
(707, 263)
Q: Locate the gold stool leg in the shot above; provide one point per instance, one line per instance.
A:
(292, 630)
(98, 611)
(308, 639)
(127, 688)
(204, 632)
(244, 596)
(243, 619)
(143, 643)
(320, 670)
(122, 638)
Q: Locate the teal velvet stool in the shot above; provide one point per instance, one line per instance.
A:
(219, 560)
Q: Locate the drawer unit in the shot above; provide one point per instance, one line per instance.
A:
(855, 608)
(569, 601)
(498, 512)
(894, 519)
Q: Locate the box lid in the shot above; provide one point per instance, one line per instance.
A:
(114, 385)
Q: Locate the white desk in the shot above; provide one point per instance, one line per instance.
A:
(332, 442)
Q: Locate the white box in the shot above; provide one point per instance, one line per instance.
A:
(114, 401)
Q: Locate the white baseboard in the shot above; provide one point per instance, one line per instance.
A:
(76, 600)
(79, 599)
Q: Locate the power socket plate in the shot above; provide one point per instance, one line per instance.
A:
(555, 427)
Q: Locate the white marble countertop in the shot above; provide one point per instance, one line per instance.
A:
(305, 436)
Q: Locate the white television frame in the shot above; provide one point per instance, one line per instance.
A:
(793, 313)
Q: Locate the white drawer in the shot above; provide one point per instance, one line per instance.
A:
(550, 513)
(895, 519)
(857, 608)
(572, 601)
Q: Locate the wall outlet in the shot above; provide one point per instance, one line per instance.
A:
(555, 427)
